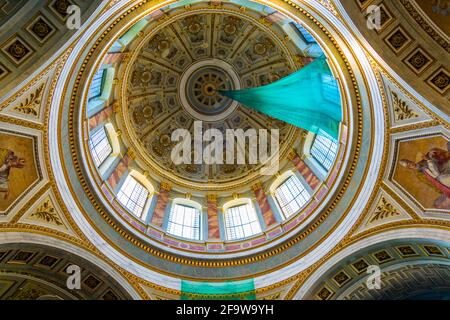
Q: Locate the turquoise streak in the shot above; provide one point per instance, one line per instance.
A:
(308, 99)
(224, 290)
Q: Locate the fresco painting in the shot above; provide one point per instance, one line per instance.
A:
(438, 11)
(423, 170)
(17, 168)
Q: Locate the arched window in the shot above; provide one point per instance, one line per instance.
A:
(133, 196)
(241, 221)
(100, 146)
(95, 90)
(305, 34)
(330, 90)
(291, 196)
(324, 150)
(185, 220)
(100, 90)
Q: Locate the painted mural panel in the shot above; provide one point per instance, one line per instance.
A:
(18, 170)
(438, 11)
(423, 170)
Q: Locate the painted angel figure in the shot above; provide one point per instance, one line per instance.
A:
(8, 160)
(441, 7)
(435, 165)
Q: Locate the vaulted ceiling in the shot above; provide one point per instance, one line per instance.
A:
(377, 207)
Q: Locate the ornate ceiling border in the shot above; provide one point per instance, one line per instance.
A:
(424, 232)
(426, 24)
(39, 235)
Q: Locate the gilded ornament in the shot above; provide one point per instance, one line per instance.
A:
(384, 210)
(31, 104)
(401, 109)
(47, 212)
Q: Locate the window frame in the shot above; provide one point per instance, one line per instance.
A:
(317, 153)
(304, 33)
(171, 221)
(143, 190)
(303, 193)
(230, 230)
(93, 147)
(330, 86)
(102, 83)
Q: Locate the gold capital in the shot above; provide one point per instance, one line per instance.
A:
(292, 154)
(165, 186)
(257, 186)
(132, 154)
(116, 107)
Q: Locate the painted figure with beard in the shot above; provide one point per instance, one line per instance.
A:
(8, 161)
(435, 166)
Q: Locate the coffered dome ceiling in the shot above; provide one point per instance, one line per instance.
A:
(173, 78)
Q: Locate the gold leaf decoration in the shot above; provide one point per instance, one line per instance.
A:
(272, 297)
(384, 210)
(47, 212)
(401, 109)
(31, 104)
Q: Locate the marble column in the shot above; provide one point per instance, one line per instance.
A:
(100, 117)
(119, 173)
(266, 210)
(112, 58)
(213, 218)
(161, 205)
(311, 179)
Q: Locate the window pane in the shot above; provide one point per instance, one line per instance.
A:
(330, 89)
(133, 196)
(324, 150)
(96, 86)
(291, 196)
(241, 222)
(184, 221)
(305, 34)
(100, 146)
